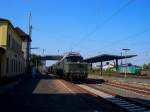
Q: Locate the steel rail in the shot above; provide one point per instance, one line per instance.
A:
(130, 85)
(135, 89)
(123, 102)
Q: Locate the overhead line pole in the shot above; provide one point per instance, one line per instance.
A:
(30, 25)
(126, 61)
(29, 43)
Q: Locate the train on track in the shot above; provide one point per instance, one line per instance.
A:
(71, 66)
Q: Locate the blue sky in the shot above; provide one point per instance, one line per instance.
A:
(66, 25)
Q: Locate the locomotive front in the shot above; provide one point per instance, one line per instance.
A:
(75, 67)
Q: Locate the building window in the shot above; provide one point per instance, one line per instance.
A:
(19, 66)
(15, 66)
(7, 66)
(12, 65)
(15, 45)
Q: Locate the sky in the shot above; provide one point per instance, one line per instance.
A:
(90, 27)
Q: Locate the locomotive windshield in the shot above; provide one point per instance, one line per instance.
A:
(74, 59)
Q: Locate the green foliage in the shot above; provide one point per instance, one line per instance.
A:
(146, 66)
(94, 71)
(108, 72)
(35, 60)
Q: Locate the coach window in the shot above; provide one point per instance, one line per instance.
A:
(68, 59)
(74, 59)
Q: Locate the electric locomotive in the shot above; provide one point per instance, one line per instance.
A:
(71, 66)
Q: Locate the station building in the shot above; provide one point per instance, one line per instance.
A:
(12, 61)
(26, 45)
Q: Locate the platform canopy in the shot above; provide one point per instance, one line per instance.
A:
(106, 57)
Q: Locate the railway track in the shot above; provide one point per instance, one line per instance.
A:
(92, 99)
(123, 102)
(109, 93)
(137, 89)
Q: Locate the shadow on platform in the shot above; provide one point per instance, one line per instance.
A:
(22, 99)
(89, 81)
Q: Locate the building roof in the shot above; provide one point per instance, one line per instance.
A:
(6, 20)
(18, 30)
(22, 34)
(106, 57)
(2, 19)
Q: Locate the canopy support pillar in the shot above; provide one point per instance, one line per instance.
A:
(116, 64)
(101, 68)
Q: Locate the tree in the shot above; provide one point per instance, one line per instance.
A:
(146, 66)
(35, 60)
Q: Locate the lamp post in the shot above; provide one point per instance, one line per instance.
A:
(125, 61)
(43, 51)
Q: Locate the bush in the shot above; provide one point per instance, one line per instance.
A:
(108, 72)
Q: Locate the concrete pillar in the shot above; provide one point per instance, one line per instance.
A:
(116, 64)
(101, 68)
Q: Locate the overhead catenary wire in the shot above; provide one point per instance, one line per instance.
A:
(127, 38)
(104, 22)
